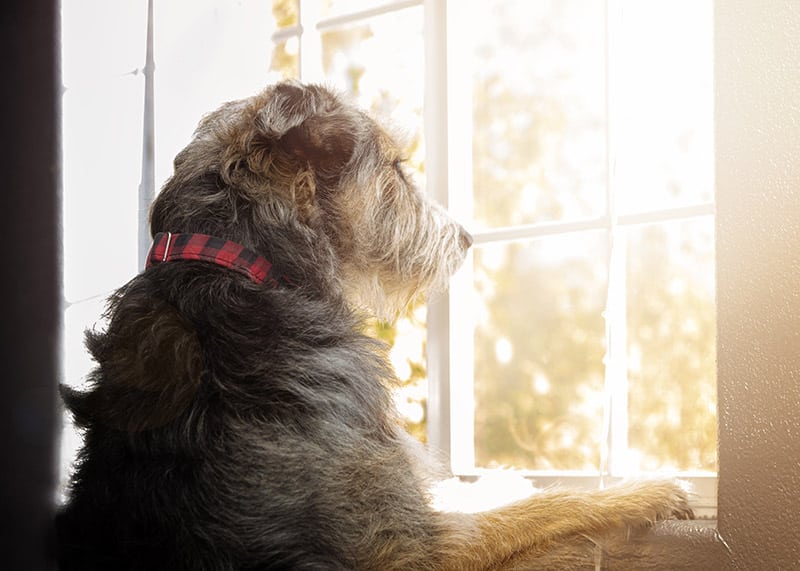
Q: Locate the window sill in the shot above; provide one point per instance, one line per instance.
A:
(686, 545)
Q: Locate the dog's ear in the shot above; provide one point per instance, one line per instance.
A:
(310, 124)
(323, 142)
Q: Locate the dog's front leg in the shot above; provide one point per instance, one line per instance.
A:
(486, 540)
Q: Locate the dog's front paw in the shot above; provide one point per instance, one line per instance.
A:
(665, 499)
(643, 503)
(681, 508)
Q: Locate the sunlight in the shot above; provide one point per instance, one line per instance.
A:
(503, 351)
(493, 489)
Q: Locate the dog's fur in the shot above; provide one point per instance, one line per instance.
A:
(234, 426)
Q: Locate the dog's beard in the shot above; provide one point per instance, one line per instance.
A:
(416, 258)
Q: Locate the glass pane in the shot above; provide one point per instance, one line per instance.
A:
(285, 59)
(672, 346)
(380, 61)
(110, 110)
(407, 339)
(539, 345)
(285, 13)
(539, 147)
(662, 104)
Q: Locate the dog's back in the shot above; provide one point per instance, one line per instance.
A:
(232, 426)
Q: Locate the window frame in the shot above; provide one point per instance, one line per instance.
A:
(448, 142)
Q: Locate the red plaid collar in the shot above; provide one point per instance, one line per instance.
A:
(168, 247)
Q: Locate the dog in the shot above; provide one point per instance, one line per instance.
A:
(239, 417)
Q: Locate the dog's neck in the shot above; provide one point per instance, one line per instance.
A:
(169, 247)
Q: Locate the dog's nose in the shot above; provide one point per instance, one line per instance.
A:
(466, 238)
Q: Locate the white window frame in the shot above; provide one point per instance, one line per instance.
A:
(451, 403)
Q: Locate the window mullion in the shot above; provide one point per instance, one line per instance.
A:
(614, 446)
(436, 172)
(147, 186)
(460, 204)
(340, 20)
(310, 42)
(448, 156)
(616, 362)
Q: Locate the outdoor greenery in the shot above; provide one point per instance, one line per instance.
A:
(672, 346)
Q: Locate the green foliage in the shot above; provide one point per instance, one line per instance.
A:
(285, 13)
(412, 376)
(540, 409)
(539, 155)
(672, 333)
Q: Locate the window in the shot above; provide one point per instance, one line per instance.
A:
(579, 340)
(574, 139)
(582, 331)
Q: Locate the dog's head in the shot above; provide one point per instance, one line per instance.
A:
(298, 174)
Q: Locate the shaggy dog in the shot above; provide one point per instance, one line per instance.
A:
(239, 417)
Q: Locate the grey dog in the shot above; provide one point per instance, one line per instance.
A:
(239, 417)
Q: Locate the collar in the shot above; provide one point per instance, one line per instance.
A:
(168, 247)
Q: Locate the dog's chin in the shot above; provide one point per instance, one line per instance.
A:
(387, 301)
(370, 297)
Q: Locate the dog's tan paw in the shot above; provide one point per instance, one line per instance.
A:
(643, 503)
(666, 499)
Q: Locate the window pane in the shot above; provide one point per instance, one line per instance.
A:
(662, 104)
(407, 338)
(92, 113)
(380, 61)
(672, 346)
(539, 345)
(285, 59)
(539, 148)
(285, 13)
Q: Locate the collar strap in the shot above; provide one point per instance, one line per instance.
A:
(168, 247)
